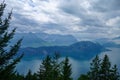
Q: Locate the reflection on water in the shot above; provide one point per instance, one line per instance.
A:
(78, 66)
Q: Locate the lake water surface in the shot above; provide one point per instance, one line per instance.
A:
(78, 67)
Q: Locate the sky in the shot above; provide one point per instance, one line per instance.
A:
(87, 19)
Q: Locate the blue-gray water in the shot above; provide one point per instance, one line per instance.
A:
(78, 67)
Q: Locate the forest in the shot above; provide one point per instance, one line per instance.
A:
(51, 68)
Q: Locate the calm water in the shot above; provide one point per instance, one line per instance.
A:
(78, 67)
(114, 56)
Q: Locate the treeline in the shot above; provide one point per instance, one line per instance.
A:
(51, 68)
(101, 69)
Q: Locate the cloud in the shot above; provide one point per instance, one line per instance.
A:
(52, 31)
(94, 14)
(113, 22)
(112, 5)
(79, 17)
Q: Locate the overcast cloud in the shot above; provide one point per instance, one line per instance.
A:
(81, 18)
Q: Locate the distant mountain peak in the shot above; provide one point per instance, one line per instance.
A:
(78, 50)
(116, 38)
(43, 39)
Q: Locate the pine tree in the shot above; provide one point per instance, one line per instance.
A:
(56, 67)
(50, 69)
(83, 77)
(66, 71)
(53, 69)
(94, 69)
(105, 68)
(30, 76)
(114, 73)
(45, 70)
(101, 70)
(17, 76)
(8, 59)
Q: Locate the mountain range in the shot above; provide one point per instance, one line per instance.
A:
(43, 39)
(83, 50)
(106, 42)
(37, 45)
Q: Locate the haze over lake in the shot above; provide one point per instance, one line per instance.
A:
(78, 66)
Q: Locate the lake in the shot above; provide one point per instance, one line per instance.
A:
(78, 67)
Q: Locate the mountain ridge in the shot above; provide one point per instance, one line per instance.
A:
(77, 50)
(43, 39)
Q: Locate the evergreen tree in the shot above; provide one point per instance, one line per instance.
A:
(8, 60)
(101, 70)
(66, 71)
(50, 68)
(45, 70)
(18, 77)
(53, 69)
(83, 77)
(94, 69)
(56, 67)
(105, 68)
(114, 73)
(30, 76)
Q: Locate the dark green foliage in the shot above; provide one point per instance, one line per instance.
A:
(50, 68)
(8, 60)
(105, 71)
(53, 69)
(66, 71)
(83, 77)
(30, 76)
(18, 77)
(114, 73)
(56, 67)
(102, 70)
(94, 69)
(45, 69)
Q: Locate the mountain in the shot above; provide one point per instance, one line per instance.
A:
(106, 42)
(102, 40)
(77, 50)
(116, 38)
(56, 39)
(111, 44)
(43, 39)
(29, 40)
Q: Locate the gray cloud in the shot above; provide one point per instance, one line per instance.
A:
(79, 17)
(106, 5)
(96, 15)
